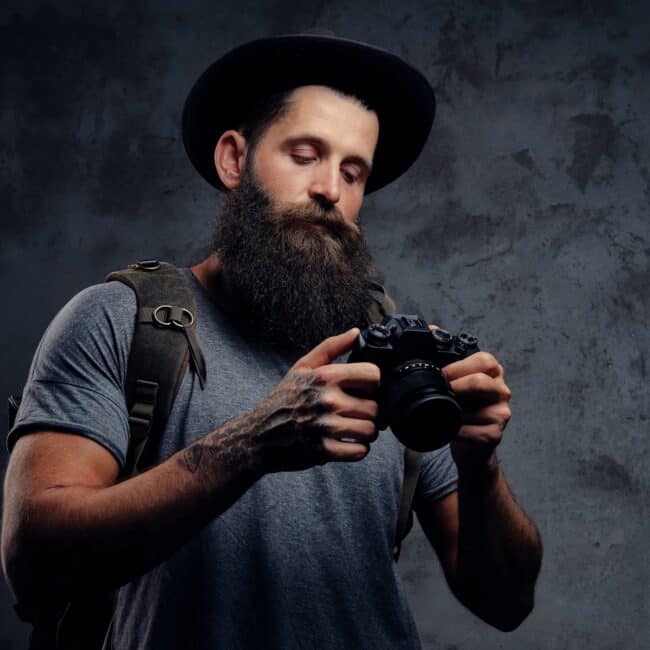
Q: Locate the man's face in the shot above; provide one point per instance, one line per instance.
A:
(321, 149)
(292, 254)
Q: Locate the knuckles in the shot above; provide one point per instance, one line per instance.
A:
(371, 372)
(501, 416)
(487, 360)
(329, 401)
(370, 430)
(477, 382)
(495, 433)
(321, 375)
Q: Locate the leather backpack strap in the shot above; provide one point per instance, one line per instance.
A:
(412, 462)
(163, 345)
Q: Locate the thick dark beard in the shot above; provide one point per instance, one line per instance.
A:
(288, 283)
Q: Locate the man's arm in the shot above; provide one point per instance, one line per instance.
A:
(70, 529)
(489, 549)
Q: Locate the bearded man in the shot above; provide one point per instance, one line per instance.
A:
(268, 514)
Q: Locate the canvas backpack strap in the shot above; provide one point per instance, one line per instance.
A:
(412, 462)
(164, 343)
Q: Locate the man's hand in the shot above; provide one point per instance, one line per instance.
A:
(310, 419)
(478, 381)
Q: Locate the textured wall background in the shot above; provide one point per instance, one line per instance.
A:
(526, 220)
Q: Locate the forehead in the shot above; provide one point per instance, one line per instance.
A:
(341, 121)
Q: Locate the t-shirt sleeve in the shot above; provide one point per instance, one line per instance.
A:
(438, 475)
(77, 376)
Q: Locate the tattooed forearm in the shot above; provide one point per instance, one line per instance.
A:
(290, 427)
(284, 432)
(227, 448)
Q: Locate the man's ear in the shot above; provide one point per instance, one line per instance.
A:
(229, 157)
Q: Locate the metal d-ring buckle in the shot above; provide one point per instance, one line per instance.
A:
(177, 323)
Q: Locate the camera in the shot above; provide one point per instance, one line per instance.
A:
(414, 397)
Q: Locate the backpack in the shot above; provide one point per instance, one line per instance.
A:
(163, 346)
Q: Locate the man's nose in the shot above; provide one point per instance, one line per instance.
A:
(326, 185)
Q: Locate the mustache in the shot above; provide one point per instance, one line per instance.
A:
(303, 215)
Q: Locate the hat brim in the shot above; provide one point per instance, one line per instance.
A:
(225, 92)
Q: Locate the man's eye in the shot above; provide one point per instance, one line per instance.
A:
(349, 177)
(302, 160)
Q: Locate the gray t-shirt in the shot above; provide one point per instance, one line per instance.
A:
(301, 560)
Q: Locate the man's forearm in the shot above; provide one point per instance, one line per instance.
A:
(71, 540)
(68, 530)
(499, 549)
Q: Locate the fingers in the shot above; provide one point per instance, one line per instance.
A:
(483, 362)
(348, 439)
(483, 426)
(487, 436)
(364, 377)
(336, 425)
(328, 350)
(345, 451)
(339, 427)
(481, 387)
(349, 427)
(349, 406)
(354, 376)
(496, 414)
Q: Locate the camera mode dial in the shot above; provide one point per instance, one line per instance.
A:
(466, 340)
(378, 334)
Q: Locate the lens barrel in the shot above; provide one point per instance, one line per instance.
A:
(419, 408)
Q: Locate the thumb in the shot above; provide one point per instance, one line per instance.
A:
(328, 350)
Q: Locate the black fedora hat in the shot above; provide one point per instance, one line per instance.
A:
(226, 91)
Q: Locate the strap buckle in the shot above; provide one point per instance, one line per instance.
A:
(168, 315)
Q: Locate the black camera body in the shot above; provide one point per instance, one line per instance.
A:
(414, 397)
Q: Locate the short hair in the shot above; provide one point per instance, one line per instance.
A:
(274, 108)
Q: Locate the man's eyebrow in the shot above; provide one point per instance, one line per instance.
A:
(314, 139)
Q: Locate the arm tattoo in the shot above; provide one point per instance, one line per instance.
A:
(283, 433)
(192, 457)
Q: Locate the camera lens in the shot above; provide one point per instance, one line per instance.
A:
(429, 422)
(419, 408)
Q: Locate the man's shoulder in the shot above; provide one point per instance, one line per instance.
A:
(108, 302)
(77, 374)
(101, 316)
(112, 295)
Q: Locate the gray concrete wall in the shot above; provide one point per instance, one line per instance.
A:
(526, 220)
